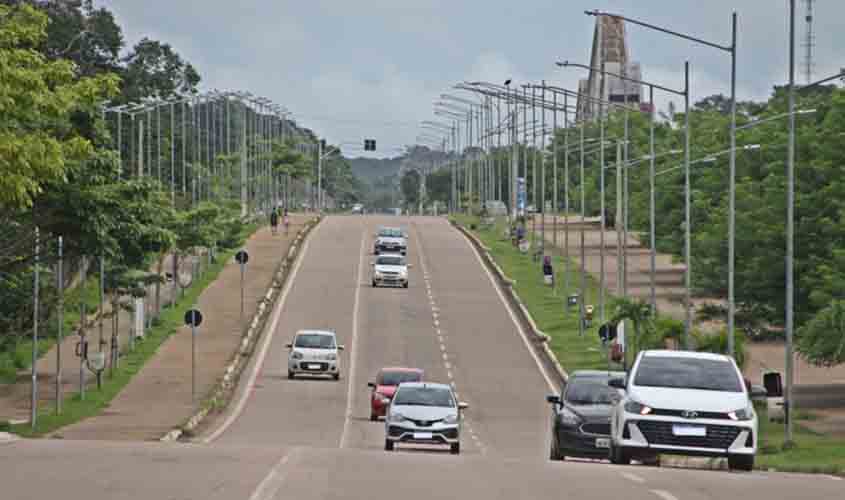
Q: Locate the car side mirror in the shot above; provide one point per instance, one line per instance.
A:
(553, 399)
(618, 383)
(289, 346)
(340, 348)
(462, 406)
(371, 385)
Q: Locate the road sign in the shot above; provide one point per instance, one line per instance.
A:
(242, 257)
(193, 317)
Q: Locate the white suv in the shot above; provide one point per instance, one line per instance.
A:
(683, 403)
(314, 352)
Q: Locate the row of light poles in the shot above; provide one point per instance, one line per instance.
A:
(207, 132)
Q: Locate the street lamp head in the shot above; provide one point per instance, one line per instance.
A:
(751, 147)
(507, 82)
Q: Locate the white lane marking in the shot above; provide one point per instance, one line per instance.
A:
(445, 357)
(265, 346)
(449, 374)
(351, 380)
(835, 478)
(665, 495)
(633, 477)
(522, 333)
(272, 482)
(442, 347)
(448, 365)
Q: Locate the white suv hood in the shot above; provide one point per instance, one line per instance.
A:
(688, 399)
(423, 412)
(314, 354)
(386, 240)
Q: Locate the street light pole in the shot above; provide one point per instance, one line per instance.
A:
(790, 232)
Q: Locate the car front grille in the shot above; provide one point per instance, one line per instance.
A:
(660, 433)
(599, 428)
(681, 413)
(424, 423)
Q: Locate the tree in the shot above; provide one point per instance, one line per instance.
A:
(822, 340)
(410, 186)
(37, 99)
(154, 69)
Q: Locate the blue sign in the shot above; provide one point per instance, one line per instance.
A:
(520, 195)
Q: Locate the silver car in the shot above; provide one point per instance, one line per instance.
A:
(390, 270)
(424, 413)
(314, 352)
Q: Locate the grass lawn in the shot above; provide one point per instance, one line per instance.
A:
(547, 305)
(74, 409)
(812, 452)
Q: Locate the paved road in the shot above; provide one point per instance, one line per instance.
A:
(310, 439)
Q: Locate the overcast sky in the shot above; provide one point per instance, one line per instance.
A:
(351, 69)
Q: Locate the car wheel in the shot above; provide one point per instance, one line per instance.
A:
(388, 445)
(618, 455)
(405, 285)
(373, 417)
(741, 462)
(374, 284)
(455, 449)
(290, 375)
(336, 376)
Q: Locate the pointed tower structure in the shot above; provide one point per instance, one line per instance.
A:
(609, 51)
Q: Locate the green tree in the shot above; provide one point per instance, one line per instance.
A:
(37, 99)
(155, 69)
(822, 340)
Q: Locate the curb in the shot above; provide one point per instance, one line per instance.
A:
(506, 285)
(221, 391)
(7, 438)
(700, 463)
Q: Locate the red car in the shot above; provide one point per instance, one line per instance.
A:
(385, 385)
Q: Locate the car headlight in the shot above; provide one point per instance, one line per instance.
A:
(403, 273)
(451, 419)
(742, 414)
(637, 407)
(296, 355)
(377, 274)
(567, 417)
(396, 418)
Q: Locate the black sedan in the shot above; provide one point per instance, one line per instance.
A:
(581, 415)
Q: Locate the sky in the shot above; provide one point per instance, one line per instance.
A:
(355, 69)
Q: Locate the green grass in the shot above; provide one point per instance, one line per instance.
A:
(74, 409)
(547, 305)
(811, 452)
(18, 356)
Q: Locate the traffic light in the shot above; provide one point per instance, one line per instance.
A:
(369, 144)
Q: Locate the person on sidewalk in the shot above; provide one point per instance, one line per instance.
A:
(274, 221)
(286, 221)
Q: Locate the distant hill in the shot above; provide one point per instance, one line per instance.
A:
(374, 170)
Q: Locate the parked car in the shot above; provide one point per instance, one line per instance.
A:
(390, 270)
(314, 352)
(684, 403)
(390, 240)
(581, 415)
(387, 380)
(424, 413)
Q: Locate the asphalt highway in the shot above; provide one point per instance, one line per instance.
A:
(312, 438)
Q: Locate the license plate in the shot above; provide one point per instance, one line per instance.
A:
(314, 367)
(422, 435)
(602, 442)
(689, 430)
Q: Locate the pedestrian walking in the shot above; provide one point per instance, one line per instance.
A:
(286, 221)
(274, 221)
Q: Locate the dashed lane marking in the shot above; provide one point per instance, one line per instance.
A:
(351, 382)
(633, 477)
(272, 483)
(665, 495)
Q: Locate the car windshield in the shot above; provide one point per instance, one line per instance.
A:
(390, 260)
(687, 373)
(424, 396)
(314, 341)
(396, 378)
(593, 391)
(389, 232)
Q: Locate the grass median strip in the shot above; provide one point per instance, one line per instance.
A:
(811, 452)
(170, 321)
(547, 305)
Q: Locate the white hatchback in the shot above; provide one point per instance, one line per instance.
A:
(314, 352)
(684, 403)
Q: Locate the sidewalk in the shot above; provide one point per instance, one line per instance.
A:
(159, 397)
(15, 397)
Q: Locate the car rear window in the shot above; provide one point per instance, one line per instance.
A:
(590, 391)
(687, 373)
(396, 378)
(314, 341)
